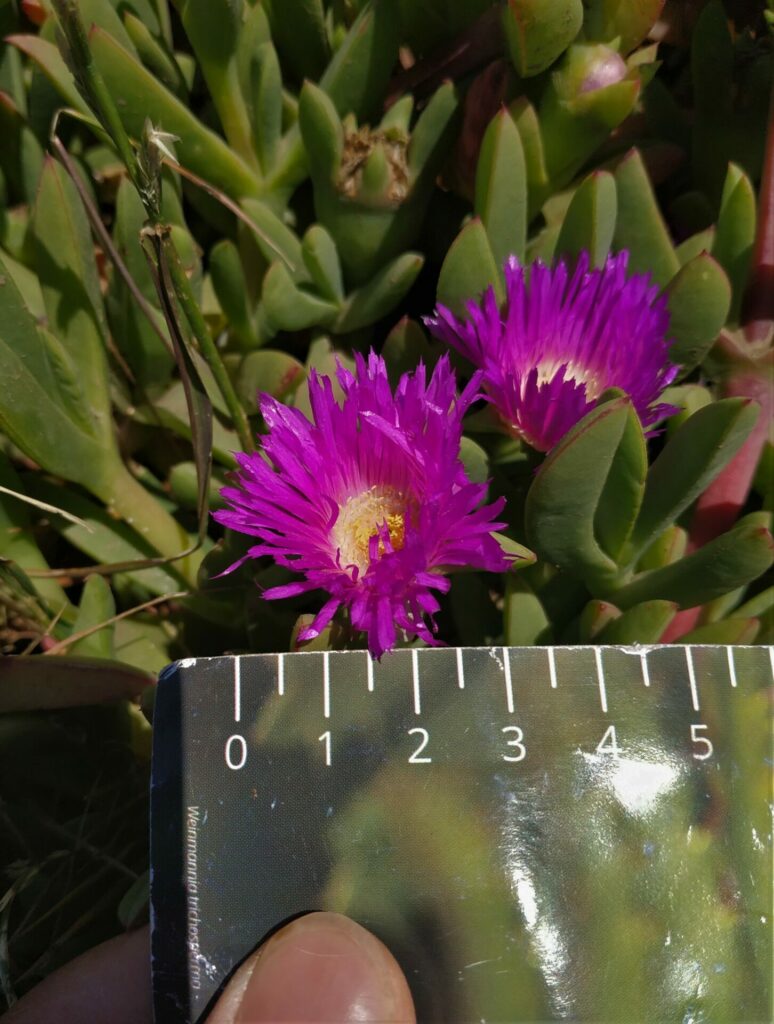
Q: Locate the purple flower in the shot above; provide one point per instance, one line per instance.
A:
(560, 340)
(370, 501)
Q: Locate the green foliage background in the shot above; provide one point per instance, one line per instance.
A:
(205, 200)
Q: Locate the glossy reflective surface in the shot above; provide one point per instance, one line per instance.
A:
(582, 835)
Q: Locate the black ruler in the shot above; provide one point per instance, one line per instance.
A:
(538, 834)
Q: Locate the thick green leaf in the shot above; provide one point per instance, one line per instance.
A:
(699, 297)
(322, 132)
(640, 228)
(575, 122)
(735, 235)
(322, 262)
(622, 494)
(475, 460)
(623, 20)
(213, 28)
(33, 411)
(288, 307)
(28, 284)
(299, 33)
(50, 62)
(268, 372)
(688, 463)
(96, 606)
(17, 541)
(266, 95)
(102, 14)
(150, 360)
(469, 269)
(695, 245)
(357, 76)
(64, 259)
(431, 135)
(40, 683)
(538, 31)
(138, 95)
(712, 73)
(563, 500)
(669, 547)
(228, 280)
(732, 560)
(589, 222)
(501, 188)
(525, 620)
(595, 616)
(275, 239)
(643, 624)
(155, 55)
(380, 295)
(730, 631)
(406, 346)
(104, 539)
(526, 120)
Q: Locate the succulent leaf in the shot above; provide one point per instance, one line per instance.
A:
(690, 460)
(589, 222)
(538, 31)
(501, 188)
(640, 228)
(699, 297)
(563, 501)
(469, 269)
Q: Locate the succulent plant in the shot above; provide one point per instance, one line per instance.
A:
(211, 211)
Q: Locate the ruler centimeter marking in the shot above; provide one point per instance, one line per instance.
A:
(731, 666)
(415, 679)
(508, 680)
(692, 679)
(327, 684)
(507, 674)
(552, 667)
(644, 665)
(237, 689)
(601, 679)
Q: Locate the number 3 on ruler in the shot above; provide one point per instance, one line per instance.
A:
(517, 742)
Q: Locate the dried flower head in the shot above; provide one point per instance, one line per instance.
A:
(560, 340)
(370, 501)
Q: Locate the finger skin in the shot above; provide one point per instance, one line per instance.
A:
(108, 985)
(321, 968)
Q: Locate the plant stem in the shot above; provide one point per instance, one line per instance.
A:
(209, 351)
(93, 84)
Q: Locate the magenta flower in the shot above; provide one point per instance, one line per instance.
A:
(370, 501)
(560, 340)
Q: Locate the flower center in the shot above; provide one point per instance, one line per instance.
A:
(360, 519)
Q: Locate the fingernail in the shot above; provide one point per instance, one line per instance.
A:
(321, 968)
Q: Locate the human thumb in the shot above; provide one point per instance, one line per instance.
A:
(320, 968)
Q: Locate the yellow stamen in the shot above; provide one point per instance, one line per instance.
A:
(360, 518)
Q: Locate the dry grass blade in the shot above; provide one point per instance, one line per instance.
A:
(197, 399)
(45, 507)
(230, 205)
(64, 644)
(107, 242)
